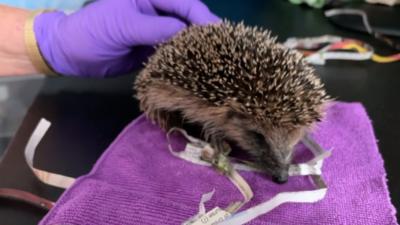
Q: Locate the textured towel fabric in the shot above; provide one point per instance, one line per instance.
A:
(138, 181)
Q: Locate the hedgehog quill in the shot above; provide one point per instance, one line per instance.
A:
(240, 86)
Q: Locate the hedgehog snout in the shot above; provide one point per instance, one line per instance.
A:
(277, 169)
(282, 177)
(281, 174)
(273, 158)
(265, 149)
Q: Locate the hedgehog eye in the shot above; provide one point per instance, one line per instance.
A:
(258, 137)
(232, 114)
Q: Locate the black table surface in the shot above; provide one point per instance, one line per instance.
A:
(87, 114)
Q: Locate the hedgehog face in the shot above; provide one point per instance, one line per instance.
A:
(270, 147)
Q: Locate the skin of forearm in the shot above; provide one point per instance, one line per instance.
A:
(14, 58)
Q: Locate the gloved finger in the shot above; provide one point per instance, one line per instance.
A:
(156, 30)
(146, 7)
(194, 11)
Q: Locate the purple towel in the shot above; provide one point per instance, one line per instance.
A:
(138, 181)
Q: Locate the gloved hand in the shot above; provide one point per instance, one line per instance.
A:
(112, 37)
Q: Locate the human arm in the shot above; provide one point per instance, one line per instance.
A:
(105, 38)
(14, 59)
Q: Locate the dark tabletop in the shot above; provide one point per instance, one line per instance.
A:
(87, 114)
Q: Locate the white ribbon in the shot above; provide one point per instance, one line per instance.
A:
(202, 209)
(284, 197)
(305, 196)
(193, 152)
(311, 42)
(52, 179)
(320, 57)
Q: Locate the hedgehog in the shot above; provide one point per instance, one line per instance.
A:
(240, 85)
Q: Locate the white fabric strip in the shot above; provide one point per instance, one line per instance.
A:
(244, 189)
(306, 196)
(192, 153)
(311, 42)
(52, 179)
(265, 207)
(202, 209)
(320, 57)
(205, 198)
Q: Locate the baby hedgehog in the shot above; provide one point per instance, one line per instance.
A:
(239, 85)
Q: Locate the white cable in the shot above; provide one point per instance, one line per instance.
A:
(334, 12)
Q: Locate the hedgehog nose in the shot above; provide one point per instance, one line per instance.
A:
(281, 178)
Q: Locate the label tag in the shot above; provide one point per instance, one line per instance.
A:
(212, 217)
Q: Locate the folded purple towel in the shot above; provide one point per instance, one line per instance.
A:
(138, 181)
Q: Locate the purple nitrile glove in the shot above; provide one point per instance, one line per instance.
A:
(112, 37)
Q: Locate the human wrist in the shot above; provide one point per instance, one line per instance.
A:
(44, 27)
(32, 46)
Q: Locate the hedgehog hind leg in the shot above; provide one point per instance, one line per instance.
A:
(165, 119)
(172, 119)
